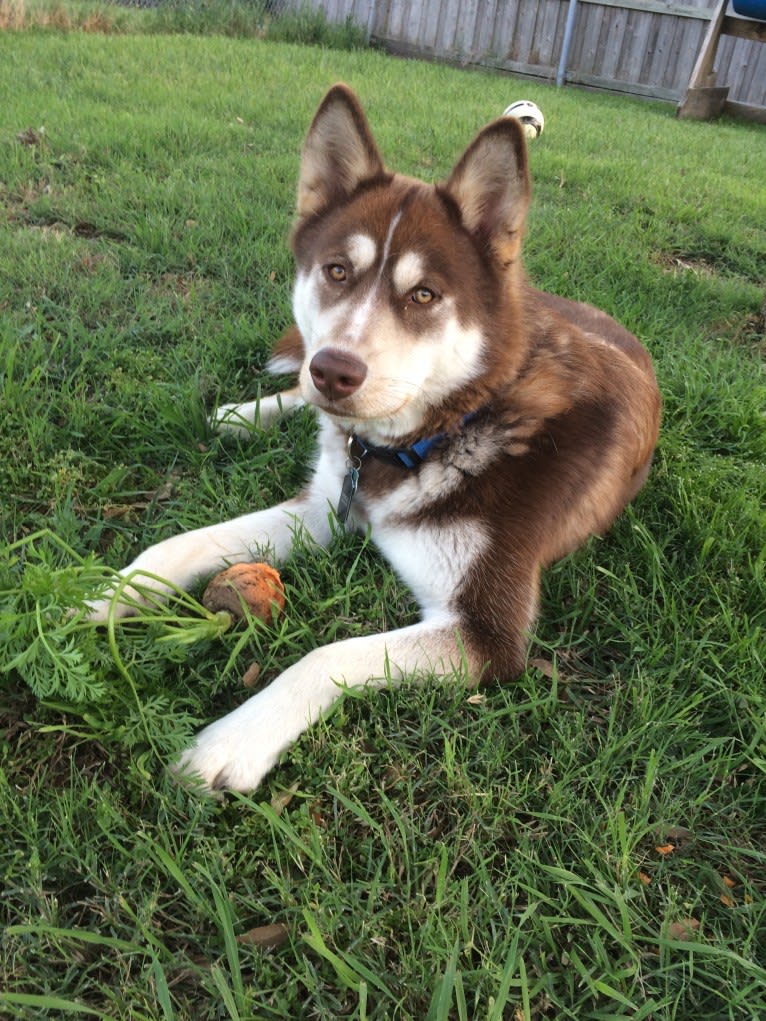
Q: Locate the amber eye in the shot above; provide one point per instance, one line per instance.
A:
(423, 296)
(336, 272)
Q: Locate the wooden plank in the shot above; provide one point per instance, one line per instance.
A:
(639, 57)
(654, 59)
(429, 19)
(445, 41)
(413, 20)
(745, 111)
(744, 28)
(393, 22)
(485, 21)
(662, 40)
(438, 26)
(525, 33)
(550, 31)
(631, 88)
(626, 57)
(399, 11)
(518, 69)
(589, 80)
(657, 7)
(743, 68)
(502, 30)
(382, 19)
(620, 32)
(407, 30)
(689, 43)
(754, 78)
(703, 104)
(585, 41)
(513, 52)
(702, 75)
(467, 28)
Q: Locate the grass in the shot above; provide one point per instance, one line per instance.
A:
(261, 19)
(587, 843)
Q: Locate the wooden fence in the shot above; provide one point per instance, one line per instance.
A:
(644, 47)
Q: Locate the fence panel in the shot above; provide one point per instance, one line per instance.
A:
(645, 47)
(741, 65)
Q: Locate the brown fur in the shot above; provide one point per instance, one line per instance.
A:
(588, 418)
(418, 324)
(574, 391)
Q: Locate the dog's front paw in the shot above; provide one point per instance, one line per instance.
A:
(124, 601)
(236, 752)
(127, 600)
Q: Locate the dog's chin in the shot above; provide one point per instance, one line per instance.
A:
(377, 423)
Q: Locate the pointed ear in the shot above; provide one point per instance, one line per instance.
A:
(490, 184)
(339, 153)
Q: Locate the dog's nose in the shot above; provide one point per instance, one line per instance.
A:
(337, 374)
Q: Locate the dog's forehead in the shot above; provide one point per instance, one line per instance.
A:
(408, 230)
(362, 249)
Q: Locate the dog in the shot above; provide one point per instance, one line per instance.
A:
(480, 429)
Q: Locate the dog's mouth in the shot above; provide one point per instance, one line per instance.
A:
(356, 398)
(348, 412)
(363, 405)
(378, 425)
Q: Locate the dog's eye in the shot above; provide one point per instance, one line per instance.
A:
(336, 272)
(423, 295)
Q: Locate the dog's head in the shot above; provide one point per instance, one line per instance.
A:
(404, 294)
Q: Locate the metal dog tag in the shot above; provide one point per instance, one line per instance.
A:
(350, 482)
(347, 493)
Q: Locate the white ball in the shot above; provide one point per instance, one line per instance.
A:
(529, 114)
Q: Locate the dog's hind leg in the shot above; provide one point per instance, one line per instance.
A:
(245, 419)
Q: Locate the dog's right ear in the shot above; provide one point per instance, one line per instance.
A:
(491, 186)
(339, 153)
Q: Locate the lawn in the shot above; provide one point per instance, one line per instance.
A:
(586, 843)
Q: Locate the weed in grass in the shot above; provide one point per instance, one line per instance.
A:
(586, 843)
(243, 19)
(62, 16)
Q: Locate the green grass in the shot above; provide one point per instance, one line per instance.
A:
(243, 19)
(430, 855)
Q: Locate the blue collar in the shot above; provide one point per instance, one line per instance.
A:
(406, 457)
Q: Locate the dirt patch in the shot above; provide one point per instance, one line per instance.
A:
(676, 263)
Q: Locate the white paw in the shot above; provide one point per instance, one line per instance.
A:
(244, 419)
(125, 601)
(236, 419)
(128, 600)
(236, 752)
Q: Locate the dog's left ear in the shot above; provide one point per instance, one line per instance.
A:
(339, 153)
(490, 184)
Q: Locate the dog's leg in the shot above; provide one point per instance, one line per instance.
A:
(243, 419)
(184, 559)
(238, 750)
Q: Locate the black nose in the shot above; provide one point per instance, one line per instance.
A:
(337, 374)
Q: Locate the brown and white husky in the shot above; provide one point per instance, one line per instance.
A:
(478, 427)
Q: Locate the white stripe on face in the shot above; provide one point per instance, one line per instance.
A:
(387, 243)
(363, 315)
